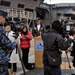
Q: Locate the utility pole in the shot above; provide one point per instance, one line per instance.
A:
(50, 8)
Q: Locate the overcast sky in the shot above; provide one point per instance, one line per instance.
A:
(59, 1)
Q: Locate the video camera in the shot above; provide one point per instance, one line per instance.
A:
(15, 35)
(70, 31)
(16, 27)
(66, 29)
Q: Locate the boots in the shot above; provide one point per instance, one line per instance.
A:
(30, 66)
(26, 65)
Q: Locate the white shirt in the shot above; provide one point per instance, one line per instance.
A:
(38, 27)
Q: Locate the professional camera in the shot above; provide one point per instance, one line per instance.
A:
(15, 35)
(66, 29)
(69, 30)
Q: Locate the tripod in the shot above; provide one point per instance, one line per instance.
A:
(18, 49)
(69, 64)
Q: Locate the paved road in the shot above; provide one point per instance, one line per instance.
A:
(64, 66)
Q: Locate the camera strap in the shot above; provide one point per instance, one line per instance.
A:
(16, 49)
(7, 34)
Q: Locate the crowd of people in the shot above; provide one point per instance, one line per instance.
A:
(52, 38)
(9, 42)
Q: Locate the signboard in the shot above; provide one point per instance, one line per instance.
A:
(39, 46)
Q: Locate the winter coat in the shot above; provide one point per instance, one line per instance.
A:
(25, 43)
(14, 58)
(6, 47)
(53, 43)
(35, 31)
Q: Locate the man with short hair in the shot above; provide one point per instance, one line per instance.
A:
(38, 29)
(6, 46)
(53, 43)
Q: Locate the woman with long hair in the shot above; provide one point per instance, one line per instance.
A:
(25, 45)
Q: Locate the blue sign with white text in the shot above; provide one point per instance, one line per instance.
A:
(39, 46)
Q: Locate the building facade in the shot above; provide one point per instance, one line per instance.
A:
(21, 10)
(60, 11)
(30, 9)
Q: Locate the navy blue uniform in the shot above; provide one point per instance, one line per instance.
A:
(6, 47)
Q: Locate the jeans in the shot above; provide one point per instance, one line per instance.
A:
(48, 70)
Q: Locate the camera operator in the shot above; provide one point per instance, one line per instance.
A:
(6, 46)
(53, 44)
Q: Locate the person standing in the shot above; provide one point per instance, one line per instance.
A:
(25, 45)
(38, 29)
(53, 44)
(14, 58)
(6, 46)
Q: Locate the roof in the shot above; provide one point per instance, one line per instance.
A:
(65, 4)
(70, 11)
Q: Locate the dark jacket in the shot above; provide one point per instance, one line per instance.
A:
(53, 42)
(35, 31)
(6, 46)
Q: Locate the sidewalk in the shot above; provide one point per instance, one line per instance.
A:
(31, 59)
(65, 71)
(64, 65)
(20, 71)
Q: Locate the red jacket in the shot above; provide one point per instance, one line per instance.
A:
(25, 43)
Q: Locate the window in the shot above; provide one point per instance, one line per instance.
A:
(14, 13)
(26, 13)
(35, 0)
(73, 17)
(10, 13)
(30, 15)
(5, 3)
(16, 19)
(40, 13)
(58, 14)
(20, 6)
(18, 13)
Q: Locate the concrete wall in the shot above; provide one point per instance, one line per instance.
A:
(58, 10)
(28, 4)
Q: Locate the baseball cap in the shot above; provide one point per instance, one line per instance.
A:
(38, 18)
(4, 13)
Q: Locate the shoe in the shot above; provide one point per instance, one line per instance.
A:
(30, 66)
